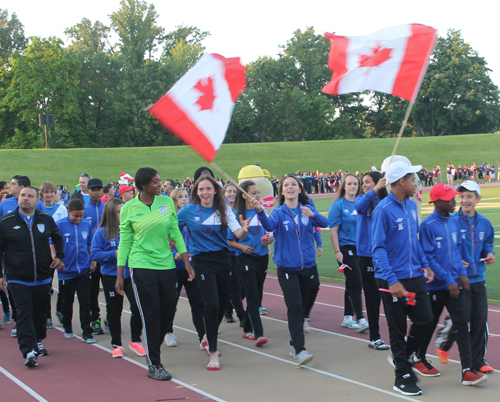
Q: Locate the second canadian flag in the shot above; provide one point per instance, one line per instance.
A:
(393, 61)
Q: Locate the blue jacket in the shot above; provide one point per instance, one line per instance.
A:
(290, 250)
(10, 204)
(179, 264)
(93, 213)
(441, 242)
(77, 240)
(364, 223)
(476, 231)
(397, 253)
(104, 251)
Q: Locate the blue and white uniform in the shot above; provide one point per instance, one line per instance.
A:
(10, 204)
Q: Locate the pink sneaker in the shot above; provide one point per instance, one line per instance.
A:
(137, 348)
(117, 351)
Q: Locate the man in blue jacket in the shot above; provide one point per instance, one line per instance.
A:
(441, 241)
(398, 261)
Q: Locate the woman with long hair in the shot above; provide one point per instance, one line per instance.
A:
(180, 198)
(342, 218)
(375, 191)
(147, 224)
(208, 219)
(294, 254)
(252, 258)
(104, 249)
(235, 302)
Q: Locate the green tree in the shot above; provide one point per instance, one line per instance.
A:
(42, 81)
(99, 76)
(457, 95)
(11, 35)
(139, 35)
(188, 34)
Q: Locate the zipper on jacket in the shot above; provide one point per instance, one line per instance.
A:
(33, 247)
(473, 248)
(77, 249)
(409, 232)
(449, 245)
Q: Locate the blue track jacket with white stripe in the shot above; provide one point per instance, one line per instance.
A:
(440, 240)
(397, 253)
(293, 251)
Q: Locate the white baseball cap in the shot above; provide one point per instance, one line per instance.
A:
(470, 185)
(390, 160)
(398, 170)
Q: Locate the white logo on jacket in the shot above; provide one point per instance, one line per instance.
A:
(454, 237)
(438, 239)
(481, 235)
(41, 227)
(414, 213)
(399, 220)
(400, 226)
(84, 235)
(196, 218)
(162, 209)
(16, 227)
(305, 220)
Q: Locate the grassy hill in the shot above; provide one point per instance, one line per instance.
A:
(63, 166)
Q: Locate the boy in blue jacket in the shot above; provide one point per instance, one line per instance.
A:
(93, 213)
(75, 277)
(398, 261)
(441, 242)
(477, 236)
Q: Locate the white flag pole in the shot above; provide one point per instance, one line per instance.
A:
(403, 126)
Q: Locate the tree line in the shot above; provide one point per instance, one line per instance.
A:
(98, 89)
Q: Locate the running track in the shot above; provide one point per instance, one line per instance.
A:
(79, 372)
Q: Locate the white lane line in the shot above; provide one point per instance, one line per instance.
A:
(21, 384)
(197, 390)
(341, 288)
(338, 377)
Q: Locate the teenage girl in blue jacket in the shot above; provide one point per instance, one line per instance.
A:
(104, 250)
(180, 198)
(252, 258)
(375, 191)
(342, 218)
(294, 254)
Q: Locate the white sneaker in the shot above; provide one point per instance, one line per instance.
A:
(170, 339)
(307, 327)
(303, 357)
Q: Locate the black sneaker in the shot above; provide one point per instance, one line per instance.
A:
(41, 350)
(96, 327)
(31, 359)
(406, 386)
(159, 373)
(230, 319)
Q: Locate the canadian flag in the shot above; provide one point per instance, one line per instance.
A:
(393, 61)
(198, 108)
(126, 176)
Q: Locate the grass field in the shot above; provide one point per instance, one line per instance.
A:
(64, 166)
(489, 207)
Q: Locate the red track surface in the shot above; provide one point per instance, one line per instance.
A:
(328, 313)
(75, 371)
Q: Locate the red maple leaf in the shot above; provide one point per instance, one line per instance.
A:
(377, 57)
(206, 100)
